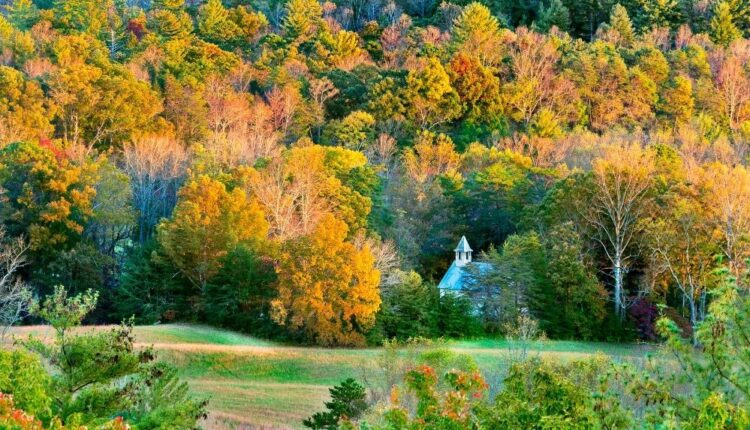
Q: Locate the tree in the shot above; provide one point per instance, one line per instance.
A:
(711, 388)
(208, 221)
(573, 304)
(619, 21)
(452, 407)
(240, 294)
(408, 308)
(653, 14)
(723, 29)
(620, 182)
(347, 405)
(15, 295)
(431, 100)
(87, 370)
(328, 289)
(507, 286)
(726, 197)
(49, 196)
(677, 102)
(24, 113)
(553, 15)
(476, 32)
(155, 166)
(215, 25)
(303, 20)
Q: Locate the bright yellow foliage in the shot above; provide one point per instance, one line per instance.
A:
(328, 289)
(209, 220)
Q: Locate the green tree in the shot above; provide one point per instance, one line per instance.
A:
(347, 405)
(619, 21)
(87, 370)
(723, 29)
(303, 20)
(214, 23)
(573, 304)
(476, 32)
(408, 309)
(23, 14)
(555, 14)
(239, 296)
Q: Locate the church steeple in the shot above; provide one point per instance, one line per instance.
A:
(463, 252)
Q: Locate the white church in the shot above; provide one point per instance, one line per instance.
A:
(456, 278)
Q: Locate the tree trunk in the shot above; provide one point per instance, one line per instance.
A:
(619, 305)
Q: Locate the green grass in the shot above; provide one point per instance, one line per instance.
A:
(181, 333)
(257, 384)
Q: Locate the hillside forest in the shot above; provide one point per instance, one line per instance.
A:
(301, 171)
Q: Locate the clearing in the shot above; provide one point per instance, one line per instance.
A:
(257, 384)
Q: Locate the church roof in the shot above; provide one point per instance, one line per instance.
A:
(456, 278)
(463, 245)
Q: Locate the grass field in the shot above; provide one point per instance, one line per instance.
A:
(256, 384)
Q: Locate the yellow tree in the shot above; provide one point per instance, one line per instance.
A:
(328, 289)
(208, 221)
(727, 196)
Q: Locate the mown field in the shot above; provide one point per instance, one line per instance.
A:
(256, 384)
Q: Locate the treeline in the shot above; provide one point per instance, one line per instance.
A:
(303, 170)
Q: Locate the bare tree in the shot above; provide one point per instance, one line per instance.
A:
(15, 296)
(156, 166)
(621, 179)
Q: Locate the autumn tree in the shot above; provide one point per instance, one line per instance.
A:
(156, 166)
(328, 289)
(620, 182)
(24, 112)
(431, 98)
(726, 197)
(49, 196)
(208, 221)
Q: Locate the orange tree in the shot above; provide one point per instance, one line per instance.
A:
(328, 289)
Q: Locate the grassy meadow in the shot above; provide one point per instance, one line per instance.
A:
(256, 384)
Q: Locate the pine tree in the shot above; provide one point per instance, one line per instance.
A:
(477, 32)
(723, 30)
(554, 15)
(22, 14)
(214, 23)
(620, 22)
(303, 19)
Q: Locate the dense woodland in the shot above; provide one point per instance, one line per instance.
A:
(302, 171)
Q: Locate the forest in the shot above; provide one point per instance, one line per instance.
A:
(301, 171)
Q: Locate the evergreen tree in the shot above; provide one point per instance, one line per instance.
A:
(476, 32)
(658, 14)
(347, 403)
(214, 23)
(304, 18)
(620, 22)
(553, 15)
(723, 29)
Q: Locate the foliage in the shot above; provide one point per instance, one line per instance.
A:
(347, 404)
(328, 289)
(95, 376)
